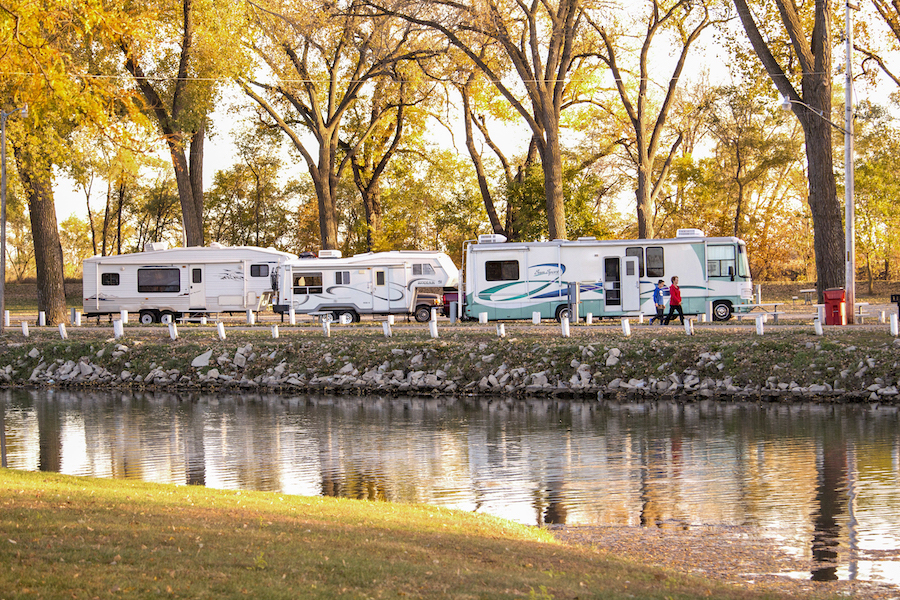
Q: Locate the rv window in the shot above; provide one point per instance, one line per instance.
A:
(501, 270)
(379, 277)
(159, 280)
(719, 259)
(639, 254)
(109, 279)
(307, 283)
(196, 275)
(655, 262)
(423, 269)
(259, 270)
(342, 278)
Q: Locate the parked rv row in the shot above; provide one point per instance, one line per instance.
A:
(505, 280)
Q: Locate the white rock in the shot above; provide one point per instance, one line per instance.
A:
(34, 353)
(612, 361)
(202, 360)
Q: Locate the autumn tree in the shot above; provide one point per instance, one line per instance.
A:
(173, 51)
(540, 43)
(794, 45)
(321, 59)
(671, 24)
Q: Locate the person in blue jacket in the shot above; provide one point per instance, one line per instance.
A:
(659, 302)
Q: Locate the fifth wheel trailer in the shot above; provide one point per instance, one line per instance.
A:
(513, 280)
(178, 281)
(375, 283)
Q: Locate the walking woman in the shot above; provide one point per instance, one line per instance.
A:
(674, 301)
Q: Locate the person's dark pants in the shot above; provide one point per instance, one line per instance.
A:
(660, 315)
(672, 309)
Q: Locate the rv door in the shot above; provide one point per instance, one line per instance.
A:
(631, 285)
(197, 299)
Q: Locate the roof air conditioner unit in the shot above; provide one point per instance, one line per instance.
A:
(683, 233)
(154, 246)
(491, 238)
(329, 253)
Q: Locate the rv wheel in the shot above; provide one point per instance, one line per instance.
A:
(563, 313)
(347, 315)
(423, 314)
(148, 317)
(721, 310)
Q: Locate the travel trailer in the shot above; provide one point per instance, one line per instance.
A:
(609, 278)
(174, 282)
(379, 283)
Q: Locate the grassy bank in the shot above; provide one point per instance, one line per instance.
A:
(85, 538)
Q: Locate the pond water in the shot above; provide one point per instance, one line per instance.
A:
(822, 479)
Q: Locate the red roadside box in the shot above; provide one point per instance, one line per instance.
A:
(835, 307)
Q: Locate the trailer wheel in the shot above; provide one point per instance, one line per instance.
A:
(563, 313)
(354, 318)
(721, 310)
(167, 313)
(423, 314)
(148, 317)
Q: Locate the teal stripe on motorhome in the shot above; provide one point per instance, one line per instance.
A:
(700, 251)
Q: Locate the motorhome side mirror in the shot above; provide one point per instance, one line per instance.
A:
(731, 273)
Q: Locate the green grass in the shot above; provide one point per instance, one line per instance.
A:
(69, 537)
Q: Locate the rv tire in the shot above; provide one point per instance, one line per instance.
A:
(354, 318)
(721, 310)
(423, 314)
(148, 317)
(172, 316)
(562, 313)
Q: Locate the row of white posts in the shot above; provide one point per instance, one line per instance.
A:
(119, 324)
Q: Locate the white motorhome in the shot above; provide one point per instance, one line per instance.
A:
(177, 281)
(375, 283)
(614, 277)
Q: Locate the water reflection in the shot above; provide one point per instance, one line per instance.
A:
(823, 479)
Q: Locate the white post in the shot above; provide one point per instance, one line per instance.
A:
(689, 326)
(62, 331)
(390, 319)
(453, 310)
(118, 330)
(536, 318)
(123, 314)
(708, 316)
(704, 318)
(42, 319)
(482, 318)
(759, 324)
(251, 317)
(275, 332)
(759, 293)
(641, 319)
(881, 317)
(6, 318)
(501, 330)
(432, 327)
(173, 331)
(564, 327)
(292, 316)
(818, 325)
(25, 328)
(203, 320)
(434, 314)
(626, 327)
(894, 325)
(326, 328)
(386, 326)
(77, 319)
(220, 330)
(589, 319)
(166, 319)
(821, 310)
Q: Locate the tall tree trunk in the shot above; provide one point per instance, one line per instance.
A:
(828, 232)
(646, 229)
(37, 179)
(551, 159)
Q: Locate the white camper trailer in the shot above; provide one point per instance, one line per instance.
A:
(379, 283)
(609, 278)
(159, 282)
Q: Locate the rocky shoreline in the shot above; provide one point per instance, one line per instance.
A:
(858, 364)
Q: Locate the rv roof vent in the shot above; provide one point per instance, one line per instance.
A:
(215, 245)
(329, 253)
(587, 238)
(681, 233)
(154, 246)
(491, 238)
